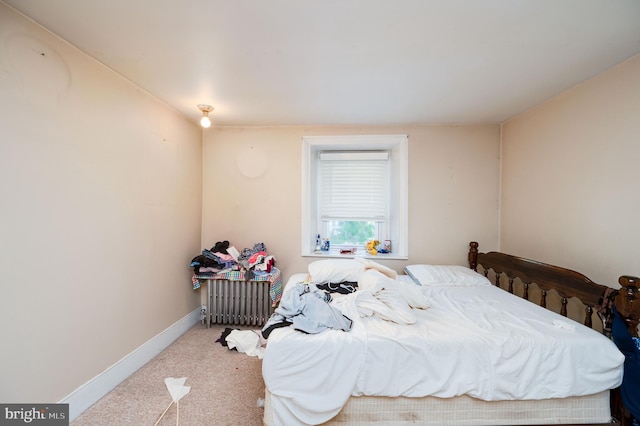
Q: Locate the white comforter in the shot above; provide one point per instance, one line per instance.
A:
(476, 340)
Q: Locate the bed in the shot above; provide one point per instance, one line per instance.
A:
(466, 352)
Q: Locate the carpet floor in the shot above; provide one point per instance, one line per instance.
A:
(226, 387)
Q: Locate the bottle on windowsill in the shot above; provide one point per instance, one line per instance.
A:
(318, 248)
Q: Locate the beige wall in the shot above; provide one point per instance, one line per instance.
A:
(102, 189)
(100, 192)
(570, 185)
(453, 189)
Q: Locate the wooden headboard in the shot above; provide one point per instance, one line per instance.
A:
(565, 282)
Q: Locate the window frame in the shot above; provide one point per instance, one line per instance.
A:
(397, 145)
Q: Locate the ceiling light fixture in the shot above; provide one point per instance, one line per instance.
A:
(205, 121)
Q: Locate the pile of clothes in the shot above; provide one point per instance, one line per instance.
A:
(223, 257)
(249, 342)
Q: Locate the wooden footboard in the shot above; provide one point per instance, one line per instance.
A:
(567, 283)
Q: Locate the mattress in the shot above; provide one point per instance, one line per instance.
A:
(473, 341)
(464, 411)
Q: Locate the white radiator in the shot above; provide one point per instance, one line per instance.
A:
(238, 302)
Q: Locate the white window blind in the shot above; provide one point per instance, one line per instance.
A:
(354, 185)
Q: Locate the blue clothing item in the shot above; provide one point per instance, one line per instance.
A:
(630, 388)
(308, 310)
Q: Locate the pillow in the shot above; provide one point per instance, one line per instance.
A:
(445, 275)
(335, 271)
(372, 281)
(370, 264)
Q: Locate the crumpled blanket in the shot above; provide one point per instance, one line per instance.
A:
(524, 352)
(307, 309)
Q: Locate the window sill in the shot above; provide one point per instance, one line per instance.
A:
(336, 255)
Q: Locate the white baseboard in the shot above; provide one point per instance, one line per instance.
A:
(89, 393)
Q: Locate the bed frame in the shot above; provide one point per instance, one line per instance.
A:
(567, 284)
(525, 277)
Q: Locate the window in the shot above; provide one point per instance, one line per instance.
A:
(353, 192)
(355, 189)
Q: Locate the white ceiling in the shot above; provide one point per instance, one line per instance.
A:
(363, 62)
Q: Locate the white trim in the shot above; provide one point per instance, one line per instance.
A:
(306, 196)
(89, 393)
(398, 145)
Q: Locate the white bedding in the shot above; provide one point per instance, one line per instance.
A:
(476, 340)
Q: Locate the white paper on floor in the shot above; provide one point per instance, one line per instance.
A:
(177, 390)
